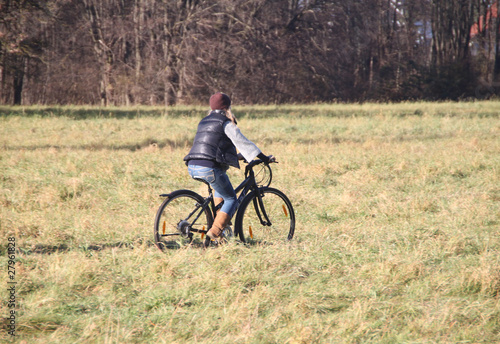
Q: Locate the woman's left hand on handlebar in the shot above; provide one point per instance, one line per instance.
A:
(272, 159)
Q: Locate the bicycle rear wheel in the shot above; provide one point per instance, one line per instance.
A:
(178, 216)
(269, 218)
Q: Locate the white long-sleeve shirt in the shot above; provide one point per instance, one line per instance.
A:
(247, 148)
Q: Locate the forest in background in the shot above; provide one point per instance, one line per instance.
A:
(152, 52)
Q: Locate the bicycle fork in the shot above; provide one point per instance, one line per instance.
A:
(261, 210)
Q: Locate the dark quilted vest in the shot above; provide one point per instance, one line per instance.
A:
(211, 143)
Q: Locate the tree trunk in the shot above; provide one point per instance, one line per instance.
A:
(3, 98)
(138, 30)
(451, 24)
(19, 75)
(169, 71)
(496, 69)
(103, 52)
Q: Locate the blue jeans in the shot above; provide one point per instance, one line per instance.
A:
(220, 183)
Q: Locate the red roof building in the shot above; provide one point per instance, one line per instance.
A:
(485, 21)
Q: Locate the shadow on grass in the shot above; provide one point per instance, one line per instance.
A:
(197, 244)
(81, 113)
(88, 112)
(173, 245)
(251, 112)
(50, 249)
(148, 144)
(61, 248)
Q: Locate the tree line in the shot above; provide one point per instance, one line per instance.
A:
(127, 52)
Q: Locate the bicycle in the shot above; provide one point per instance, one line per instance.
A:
(184, 212)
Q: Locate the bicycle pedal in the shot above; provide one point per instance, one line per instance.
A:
(227, 232)
(219, 241)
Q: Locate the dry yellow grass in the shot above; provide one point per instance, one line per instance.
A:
(397, 237)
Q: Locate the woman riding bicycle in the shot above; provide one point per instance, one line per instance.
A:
(214, 150)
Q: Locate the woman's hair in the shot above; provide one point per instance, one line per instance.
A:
(229, 114)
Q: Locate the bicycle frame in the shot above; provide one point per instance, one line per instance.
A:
(243, 189)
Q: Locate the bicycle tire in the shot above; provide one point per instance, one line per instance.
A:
(175, 215)
(279, 210)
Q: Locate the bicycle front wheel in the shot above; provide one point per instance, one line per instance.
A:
(179, 217)
(265, 216)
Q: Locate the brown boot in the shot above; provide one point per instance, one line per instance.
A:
(217, 201)
(220, 222)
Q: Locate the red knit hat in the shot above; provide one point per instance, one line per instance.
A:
(220, 101)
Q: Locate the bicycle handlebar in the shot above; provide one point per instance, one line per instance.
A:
(256, 162)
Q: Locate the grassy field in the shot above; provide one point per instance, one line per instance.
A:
(397, 238)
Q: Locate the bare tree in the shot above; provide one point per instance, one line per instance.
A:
(94, 12)
(127, 52)
(496, 69)
(20, 43)
(451, 24)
